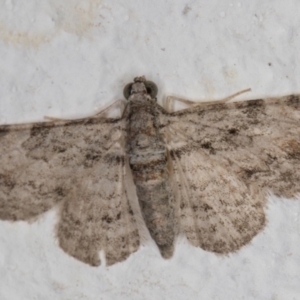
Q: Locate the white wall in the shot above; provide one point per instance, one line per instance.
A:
(70, 58)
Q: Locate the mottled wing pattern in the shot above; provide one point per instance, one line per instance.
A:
(226, 157)
(97, 215)
(216, 209)
(79, 164)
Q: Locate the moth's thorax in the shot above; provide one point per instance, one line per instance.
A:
(143, 136)
(141, 98)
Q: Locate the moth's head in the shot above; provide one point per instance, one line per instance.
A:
(140, 86)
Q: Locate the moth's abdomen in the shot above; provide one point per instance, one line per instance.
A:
(148, 162)
(156, 201)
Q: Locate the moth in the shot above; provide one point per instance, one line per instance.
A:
(204, 171)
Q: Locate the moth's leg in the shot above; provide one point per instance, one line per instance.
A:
(101, 112)
(169, 101)
(116, 103)
(54, 119)
(168, 104)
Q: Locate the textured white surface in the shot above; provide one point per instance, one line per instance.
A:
(70, 58)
